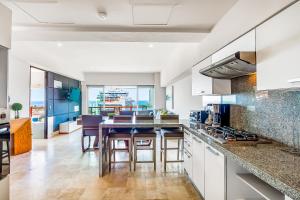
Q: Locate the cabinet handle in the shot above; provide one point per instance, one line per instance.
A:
(295, 80)
(212, 151)
(202, 92)
(187, 143)
(187, 133)
(187, 154)
(199, 141)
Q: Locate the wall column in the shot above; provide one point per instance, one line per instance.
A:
(160, 93)
(84, 96)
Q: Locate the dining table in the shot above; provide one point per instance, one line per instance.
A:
(108, 124)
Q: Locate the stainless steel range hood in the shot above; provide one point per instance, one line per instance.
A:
(238, 64)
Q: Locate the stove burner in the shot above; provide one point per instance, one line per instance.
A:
(228, 133)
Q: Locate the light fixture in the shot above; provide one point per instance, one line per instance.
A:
(102, 15)
(59, 44)
(150, 45)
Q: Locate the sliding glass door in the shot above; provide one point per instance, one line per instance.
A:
(95, 99)
(116, 98)
(38, 103)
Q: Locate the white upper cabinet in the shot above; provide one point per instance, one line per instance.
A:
(203, 85)
(5, 26)
(278, 50)
(244, 43)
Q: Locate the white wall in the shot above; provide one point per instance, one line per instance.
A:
(19, 84)
(234, 23)
(119, 78)
(183, 99)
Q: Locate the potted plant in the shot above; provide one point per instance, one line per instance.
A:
(17, 107)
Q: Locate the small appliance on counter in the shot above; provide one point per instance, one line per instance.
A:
(198, 116)
(219, 115)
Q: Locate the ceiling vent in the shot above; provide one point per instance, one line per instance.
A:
(152, 12)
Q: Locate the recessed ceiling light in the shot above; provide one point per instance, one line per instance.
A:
(59, 44)
(150, 45)
(102, 15)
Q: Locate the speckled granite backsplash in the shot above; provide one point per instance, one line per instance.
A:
(274, 114)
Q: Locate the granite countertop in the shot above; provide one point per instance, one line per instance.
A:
(266, 161)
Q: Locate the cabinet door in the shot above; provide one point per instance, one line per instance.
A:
(198, 164)
(188, 162)
(214, 174)
(5, 26)
(244, 43)
(278, 47)
(201, 84)
(3, 76)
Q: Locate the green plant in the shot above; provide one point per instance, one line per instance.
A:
(17, 107)
(111, 115)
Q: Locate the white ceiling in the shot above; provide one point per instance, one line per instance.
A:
(74, 57)
(118, 44)
(202, 14)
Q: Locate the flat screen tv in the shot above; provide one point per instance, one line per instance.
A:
(74, 94)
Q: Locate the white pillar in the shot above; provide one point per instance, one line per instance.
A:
(160, 93)
(84, 98)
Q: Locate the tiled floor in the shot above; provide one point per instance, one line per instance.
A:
(57, 169)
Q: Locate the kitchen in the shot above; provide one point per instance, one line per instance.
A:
(239, 110)
(250, 140)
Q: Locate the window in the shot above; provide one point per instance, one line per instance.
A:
(124, 97)
(95, 99)
(145, 97)
(120, 98)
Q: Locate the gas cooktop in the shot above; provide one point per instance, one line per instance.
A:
(225, 134)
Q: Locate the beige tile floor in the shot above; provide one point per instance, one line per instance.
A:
(57, 169)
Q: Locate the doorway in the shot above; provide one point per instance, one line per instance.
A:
(38, 103)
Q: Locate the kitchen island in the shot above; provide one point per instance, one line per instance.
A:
(108, 124)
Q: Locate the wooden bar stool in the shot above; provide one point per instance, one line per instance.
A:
(122, 134)
(4, 152)
(167, 134)
(144, 134)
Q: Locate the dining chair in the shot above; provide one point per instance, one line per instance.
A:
(90, 127)
(127, 112)
(120, 134)
(4, 152)
(144, 134)
(171, 133)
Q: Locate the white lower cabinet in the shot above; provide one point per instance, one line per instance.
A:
(188, 147)
(205, 166)
(215, 187)
(188, 163)
(198, 164)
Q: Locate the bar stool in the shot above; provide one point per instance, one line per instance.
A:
(123, 134)
(171, 133)
(142, 134)
(4, 153)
